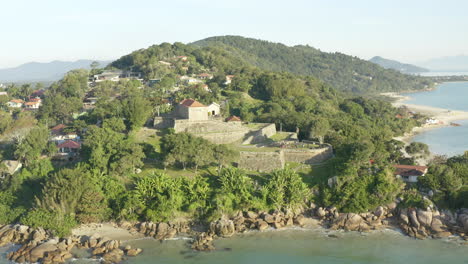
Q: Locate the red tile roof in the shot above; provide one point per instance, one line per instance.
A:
(233, 119)
(191, 103)
(70, 144)
(18, 101)
(409, 170)
(58, 128)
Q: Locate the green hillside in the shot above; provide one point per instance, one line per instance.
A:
(396, 65)
(343, 72)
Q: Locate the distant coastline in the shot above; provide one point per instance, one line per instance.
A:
(445, 115)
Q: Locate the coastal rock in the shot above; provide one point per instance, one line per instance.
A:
(7, 236)
(39, 234)
(321, 213)
(262, 225)
(424, 217)
(353, 222)
(133, 252)
(300, 220)
(251, 215)
(413, 218)
(203, 242)
(380, 212)
(269, 218)
(463, 220)
(39, 252)
(404, 216)
(223, 227)
(114, 256)
(391, 206)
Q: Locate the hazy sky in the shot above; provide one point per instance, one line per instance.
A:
(406, 30)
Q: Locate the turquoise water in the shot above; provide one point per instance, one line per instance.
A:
(447, 95)
(447, 140)
(305, 247)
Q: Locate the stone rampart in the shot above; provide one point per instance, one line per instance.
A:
(261, 161)
(270, 160)
(308, 156)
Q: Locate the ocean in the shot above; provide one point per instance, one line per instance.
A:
(301, 246)
(447, 140)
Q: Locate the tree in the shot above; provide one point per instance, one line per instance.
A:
(286, 190)
(319, 128)
(94, 65)
(33, 145)
(92, 207)
(223, 155)
(136, 111)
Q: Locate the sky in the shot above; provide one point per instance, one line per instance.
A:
(407, 30)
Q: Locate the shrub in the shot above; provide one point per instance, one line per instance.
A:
(60, 225)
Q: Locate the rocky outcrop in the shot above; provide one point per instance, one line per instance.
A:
(223, 227)
(421, 223)
(160, 231)
(40, 246)
(203, 242)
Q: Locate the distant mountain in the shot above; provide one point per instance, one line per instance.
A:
(344, 72)
(49, 71)
(452, 63)
(396, 65)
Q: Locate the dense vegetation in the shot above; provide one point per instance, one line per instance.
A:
(343, 72)
(120, 175)
(398, 66)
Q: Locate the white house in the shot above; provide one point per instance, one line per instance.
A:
(214, 109)
(3, 94)
(409, 173)
(32, 105)
(115, 76)
(10, 167)
(15, 103)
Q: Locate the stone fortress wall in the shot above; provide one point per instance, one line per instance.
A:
(261, 161)
(217, 131)
(272, 160)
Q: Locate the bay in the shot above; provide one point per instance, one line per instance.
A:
(450, 140)
(304, 247)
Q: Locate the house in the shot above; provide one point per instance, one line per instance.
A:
(190, 80)
(182, 58)
(214, 109)
(32, 105)
(59, 135)
(432, 121)
(3, 94)
(15, 103)
(9, 167)
(165, 63)
(192, 110)
(115, 76)
(205, 76)
(233, 118)
(228, 79)
(69, 147)
(409, 173)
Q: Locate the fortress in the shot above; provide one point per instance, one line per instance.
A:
(203, 121)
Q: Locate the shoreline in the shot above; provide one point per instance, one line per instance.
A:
(443, 115)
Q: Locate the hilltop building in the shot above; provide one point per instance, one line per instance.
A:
(409, 173)
(115, 76)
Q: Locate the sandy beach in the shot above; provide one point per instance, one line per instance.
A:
(108, 230)
(444, 116)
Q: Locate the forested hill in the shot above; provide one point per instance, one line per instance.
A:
(396, 65)
(343, 72)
